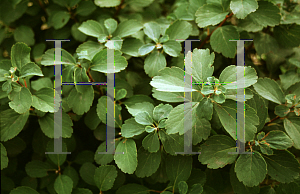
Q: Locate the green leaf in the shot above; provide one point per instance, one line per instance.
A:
(43, 100)
(85, 8)
(245, 74)
(88, 50)
(31, 69)
(196, 188)
(107, 3)
(24, 34)
(176, 120)
(37, 168)
(152, 30)
(101, 112)
(265, 149)
(131, 128)
(131, 46)
(59, 19)
(202, 62)
(144, 118)
(170, 80)
(148, 163)
(133, 188)
(292, 127)
(265, 43)
(82, 190)
(4, 158)
(80, 76)
(72, 173)
(66, 58)
(239, 187)
(220, 40)
(92, 28)
(201, 130)
(79, 36)
(282, 166)
(270, 90)
(104, 159)
(12, 123)
(282, 110)
(87, 173)
(151, 142)
(127, 28)
(111, 25)
(21, 99)
(47, 125)
(172, 48)
(85, 99)
(146, 48)
(127, 162)
(23, 190)
(63, 184)
(57, 159)
(214, 152)
(183, 187)
(20, 55)
(134, 109)
(91, 119)
(180, 170)
(242, 8)
(287, 35)
(105, 177)
(205, 109)
(161, 111)
(100, 61)
(179, 30)
(154, 62)
(251, 169)
(210, 14)
(227, 114)
(172, 142)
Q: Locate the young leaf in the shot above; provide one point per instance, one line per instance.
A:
(251, 169)
(131, 128)
(21, 99)
(151, 142)
(154, 62)
(105, 177)
(152, 30)
(12, 123)
(131, 46)
(161, 111)
(111, 25)
(63, 184)
(282, 166)
(81, 76)
(144, 118)
(183, 187)
(214, 152)
(148, 163)
(20, 55)
(172, 48)
(270, 90)
(127, 162)
(88, 50)
(205, 109)
(242, 8)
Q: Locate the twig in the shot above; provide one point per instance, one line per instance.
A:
(208, 36)
(20, 84)
(272, 120)
(91, 79)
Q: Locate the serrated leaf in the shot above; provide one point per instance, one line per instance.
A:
(270, 90)
(179, 30)
(152, 30)
(131, 128)
(214, 152)
(66, 58)
(31, 69)
(144, 118)
(47, 125)
(205, 109)
(12, 123)
(88, 50)
(154, 62)
(99, 62)
(127, 162)
(85, 99)
(105, 177)
(201, 130)
(21, 99)
(20, 55)
(210, 14)
(37, 168)
(151, 142)
(227, 113)
(57, 159)
(81, 76)
(63, 184)
(282, 166)
(101, 112)
(292, 127)
(265, 149)
(137, 107)
(220, 40)
(148, 163)
(43, 100)
(251, 169)
(104, 159)
(111, 25)
(161, 111)
(172, 142)
(4, 158)
(172, 48)
(127, 28)
(92, 28)
(131, 46)
(242, 8)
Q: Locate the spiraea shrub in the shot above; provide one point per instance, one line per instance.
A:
(165, 88)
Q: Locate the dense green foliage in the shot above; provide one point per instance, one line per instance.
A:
(149, 96)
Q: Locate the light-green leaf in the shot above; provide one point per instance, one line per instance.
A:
(66, 58)
(47, 125)
(292, 127)
(92, 28)
(278, 140)
(88, 50)
(43, 100)
(131, 128)
(111, 25)
(63, 184)
(131, 46)
(144, 118)
(105, 177)
(20, 55)
(127, 28)
(154, 62)
(152, 30)
(220, 40)
(251, 169)
(241, 8)
(161, 111)
(127, 162)
(210, 14)
(107, 3)
(31, 69)
(21, 99)
(137, 107)
(214, 152)
(148, 163)
(172, 48)
(179, 30)
(270, 90)
(4, 158)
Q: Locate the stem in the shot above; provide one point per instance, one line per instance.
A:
(25, 83)
(20, 84)
(92, 80)
(272, 120)
(208, 36)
